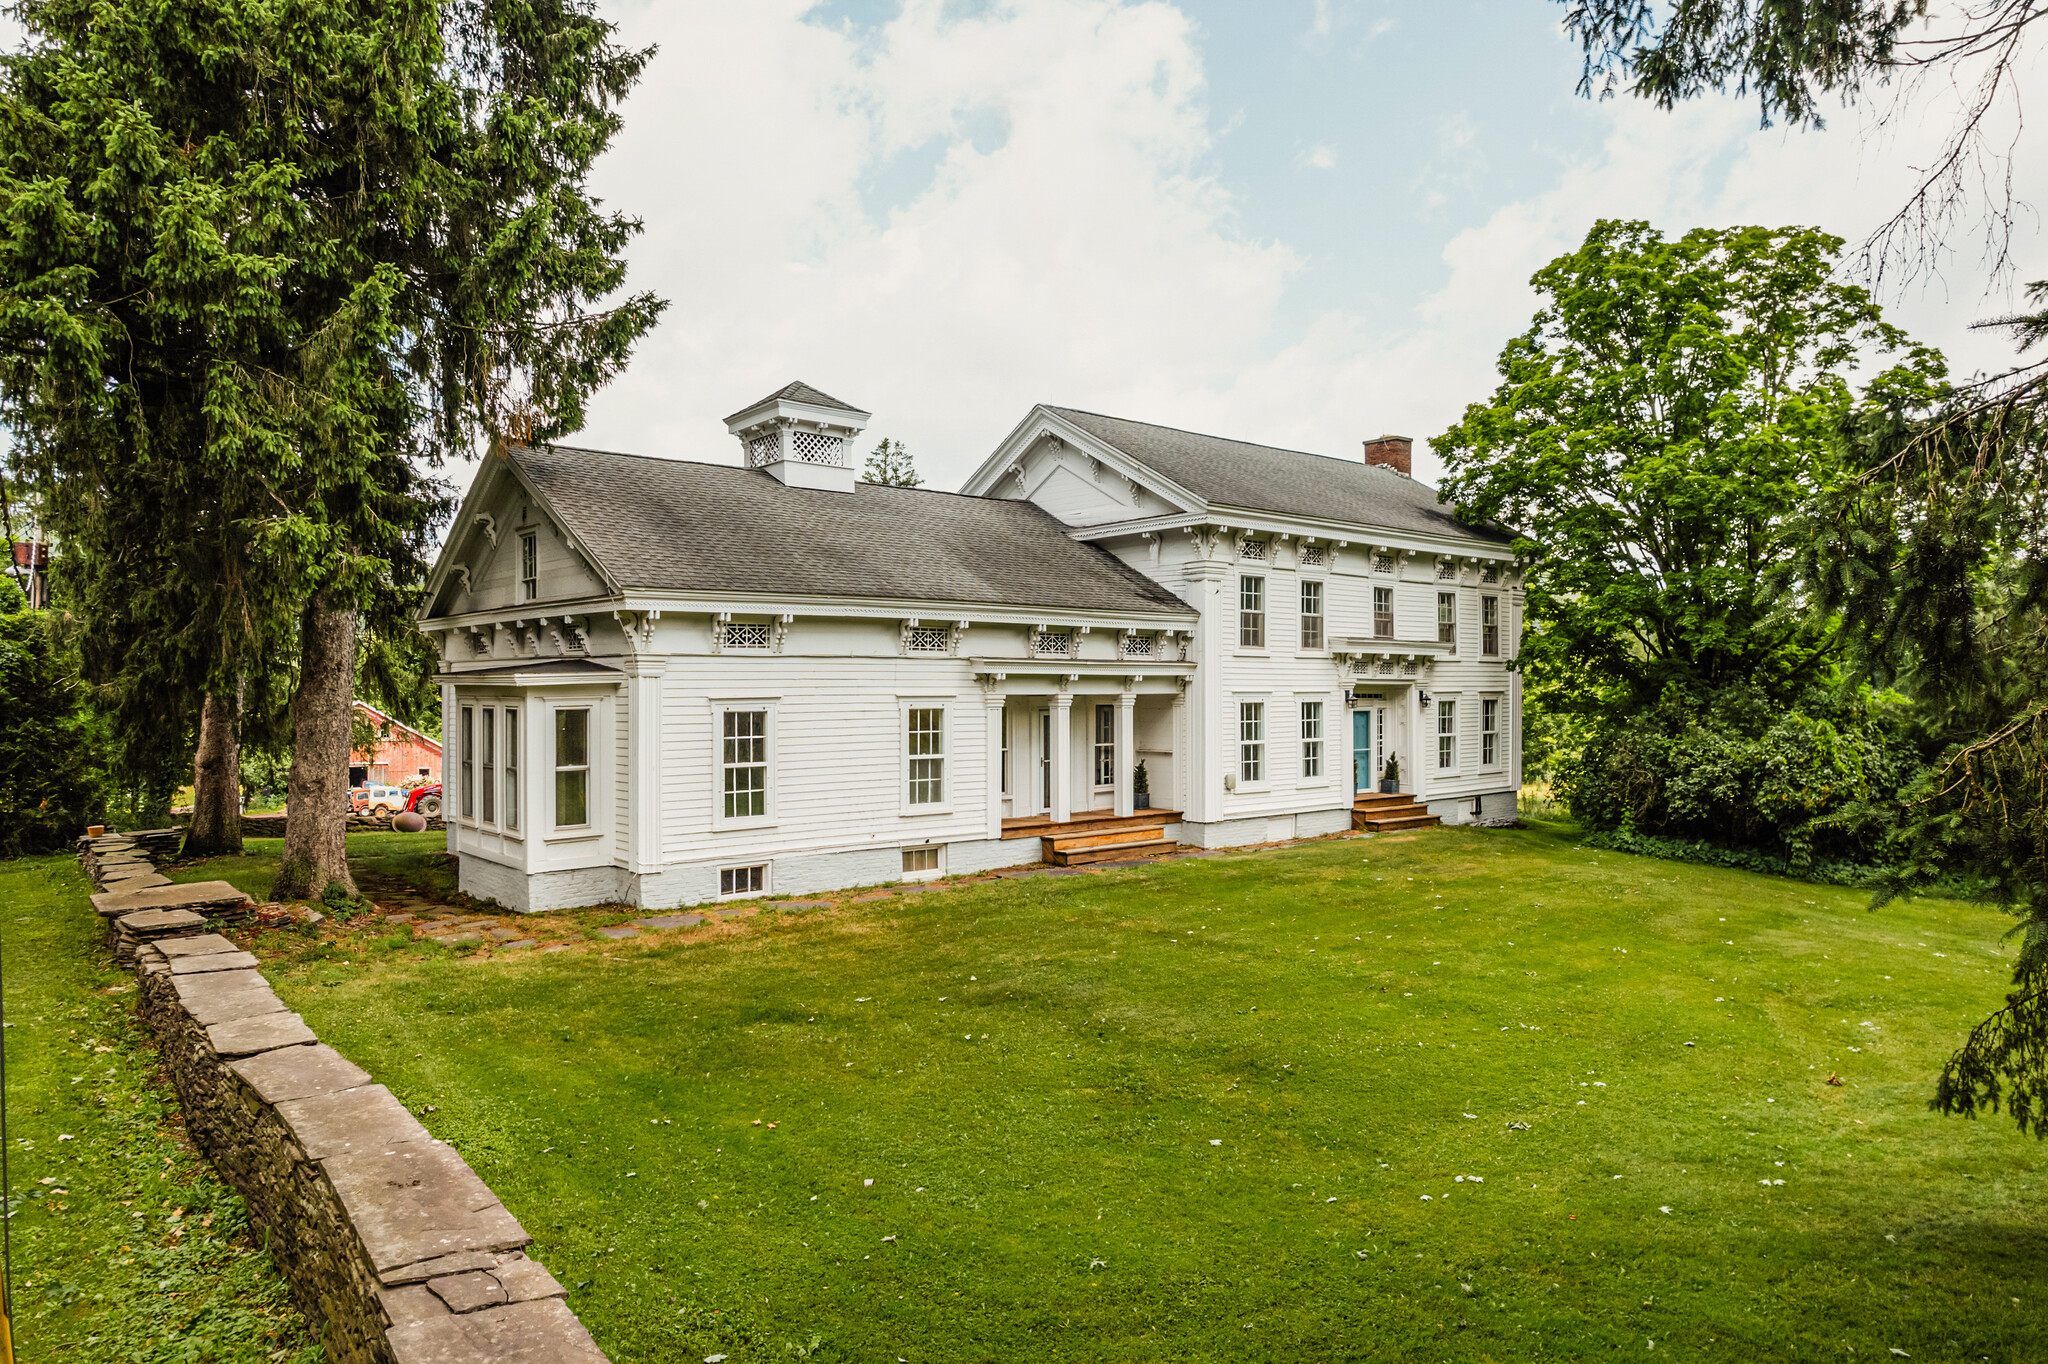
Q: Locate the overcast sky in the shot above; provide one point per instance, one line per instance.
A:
(1303, 222)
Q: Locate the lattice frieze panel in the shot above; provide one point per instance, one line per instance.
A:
(764, 449)
(1312, 556)
(1446, 569)
(1252, 549)
(817, 447)
(1490, 574)
(1383, 563)
(745, 635)
(1385, 667)
(926, 639)
(1141, 646)
(1053, 645)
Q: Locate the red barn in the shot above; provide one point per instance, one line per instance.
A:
(402, 756)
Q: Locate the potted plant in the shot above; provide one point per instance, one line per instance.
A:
(1390, 775)
(1141, 789)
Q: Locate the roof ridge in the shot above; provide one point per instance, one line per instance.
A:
(1343, 460)
(742, 469)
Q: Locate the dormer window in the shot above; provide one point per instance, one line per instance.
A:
(529, 567)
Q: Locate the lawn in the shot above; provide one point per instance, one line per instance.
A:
(1457, 1095)
(125, 1245)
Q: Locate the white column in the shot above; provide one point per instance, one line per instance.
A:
(992, 711)
(1126, 748)
(451, 756)
(536, 778)
(641, 820)
(1062, 758)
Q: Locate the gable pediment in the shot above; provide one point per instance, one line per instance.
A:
(1074, 476)
(482, 563)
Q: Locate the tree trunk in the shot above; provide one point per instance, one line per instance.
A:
(216, 826)
(316, 803)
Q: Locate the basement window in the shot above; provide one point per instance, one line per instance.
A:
(918, 861)
(743, 880)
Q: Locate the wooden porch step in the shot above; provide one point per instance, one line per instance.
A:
(1108, 852)
(1369, 798)
(1414, 817)
(1070, 842)
(1087, 822)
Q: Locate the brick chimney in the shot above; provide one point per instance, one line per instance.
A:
(1391, 452)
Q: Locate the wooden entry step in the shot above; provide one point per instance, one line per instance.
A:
(1076, 852)
(1380, 812)
(1092, 822)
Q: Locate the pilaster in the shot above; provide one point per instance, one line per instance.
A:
(641, 824)
(1062, 756)
(1126, 749)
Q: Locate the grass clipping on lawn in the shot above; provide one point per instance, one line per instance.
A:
(1462, 1095)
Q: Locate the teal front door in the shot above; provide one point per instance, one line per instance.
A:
(1361, 750)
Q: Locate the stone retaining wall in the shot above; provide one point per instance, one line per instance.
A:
(393, 1248)
(272, 826)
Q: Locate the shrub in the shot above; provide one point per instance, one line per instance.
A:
(53, 747)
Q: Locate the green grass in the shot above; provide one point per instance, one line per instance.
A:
(126, 1247)
(1192, 1112)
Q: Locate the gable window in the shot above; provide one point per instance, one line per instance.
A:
(1251, 741)
(1105, 745)
(1489, 626)
(927, 736)
(1447, 619)
(743, 763)
(572, 768)
(529, 567)
(1489, 732)
(511, 767)
(1383, 612)
(1446, 734)
(1251, 612)
(490, 782)
(1312, 615)
(468, 762)
(1311, 738)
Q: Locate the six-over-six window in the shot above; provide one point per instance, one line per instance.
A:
(927, 735)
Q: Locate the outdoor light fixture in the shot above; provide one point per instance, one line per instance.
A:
(1423, 699)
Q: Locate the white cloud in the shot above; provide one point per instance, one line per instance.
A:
(1322, 156)
(1083, 253)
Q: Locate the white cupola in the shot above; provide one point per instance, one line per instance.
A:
(800, 437)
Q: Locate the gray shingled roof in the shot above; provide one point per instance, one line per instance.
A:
(1236, 473)
(801, 392)
(670, 525)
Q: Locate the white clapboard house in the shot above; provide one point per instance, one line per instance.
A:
(667, 682)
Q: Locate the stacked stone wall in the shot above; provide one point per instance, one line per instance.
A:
(392, 1247)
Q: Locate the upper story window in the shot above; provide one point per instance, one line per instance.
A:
(1311, 615)
(572, 768)
(1251, 612)
(1447, 619)
(529, 567)
(1140, 646)
(1489, 626)
(1383, 613)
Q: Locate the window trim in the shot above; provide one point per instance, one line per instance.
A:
(1263, 745)
(947, 783)
(1489, 631)
(529, 557)
(1319, 757)
(1253, 619)
(1096, 747)
(589, 767)
(1447, 709)
(719, 706)
(1499, 733)
(1322, 596)
(1377, 617)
